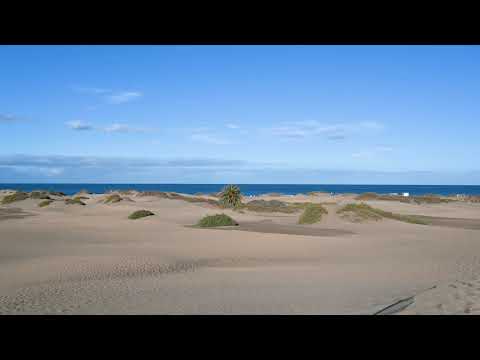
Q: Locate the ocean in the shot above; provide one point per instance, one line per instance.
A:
(254, 189)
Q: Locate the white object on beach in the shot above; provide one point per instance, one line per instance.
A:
(406, 194)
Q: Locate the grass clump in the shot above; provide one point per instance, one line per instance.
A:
(312, 214)
(216, 220)
(111, 199)
(231, 196)
(362, 212)
(45, 203)
(140, 214)
(74, 201)
(18, 196)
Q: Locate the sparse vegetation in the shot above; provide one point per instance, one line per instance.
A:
(271, 206)
(316, 193)
(111, 199)
(273, 194)
(18, 196)
(231, 196)
(362, 212)
(56, 193)
(140, 214)
(358, 213)
(74, 201)
(418, 199)
(312, 214)
(175, 196)
(216, 220)
(43, 195)
(45, 203)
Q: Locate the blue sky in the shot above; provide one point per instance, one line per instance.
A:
(242, 114)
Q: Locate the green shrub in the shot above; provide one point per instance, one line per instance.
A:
(231, 196)
(74, 201)
(18, 196)
(45, 203)
(114, 198)
(216, 220)
(140, 214)
(312, 214)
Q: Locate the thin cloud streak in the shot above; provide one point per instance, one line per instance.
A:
(123, 97)
(8, 118)
(304, 129)
(79, 125)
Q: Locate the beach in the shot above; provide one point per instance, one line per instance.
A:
(92, 259)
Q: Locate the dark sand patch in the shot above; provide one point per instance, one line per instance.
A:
(269, 227)
(13, 213)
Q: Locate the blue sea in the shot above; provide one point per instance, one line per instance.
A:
(254, 189)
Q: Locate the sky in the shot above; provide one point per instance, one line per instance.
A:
(240, 114)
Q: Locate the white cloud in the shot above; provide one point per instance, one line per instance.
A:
(54, 172)
(113, 128)
(122, 128)
(303, 129)
(110, 96)
(339, 131)
(123, 97)
(79, 125)
(232, 126)
(94, 91)
(209, 139)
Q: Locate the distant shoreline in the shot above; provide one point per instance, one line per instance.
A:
(253, 189)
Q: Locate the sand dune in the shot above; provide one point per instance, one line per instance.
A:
(72, 259)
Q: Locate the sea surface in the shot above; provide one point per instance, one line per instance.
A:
(254, 189)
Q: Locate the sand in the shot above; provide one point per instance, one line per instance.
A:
(72, 259)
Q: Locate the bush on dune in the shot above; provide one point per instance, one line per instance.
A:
(45, 203)
(43, 195)
(111, 199)
(18, 196)
(270, 206)
(140, 214)
(81, 198)
(312, 214)
(216, 220)
(57, 193)
(175, 196)
(358, 212)
(366, 212)
(74, 201)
